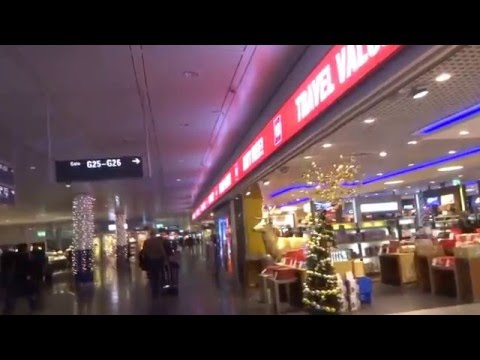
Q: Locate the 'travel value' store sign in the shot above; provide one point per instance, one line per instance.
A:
(341, 69)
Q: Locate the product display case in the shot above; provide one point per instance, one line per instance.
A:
(365, 241)
(57, 261)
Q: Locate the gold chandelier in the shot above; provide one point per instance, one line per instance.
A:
(333, 182)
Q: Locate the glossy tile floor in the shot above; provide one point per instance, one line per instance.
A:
(395, 299)
(125, 292)
(466, 309)
(205, 290)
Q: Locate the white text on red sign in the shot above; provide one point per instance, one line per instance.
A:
(254, 154)
(348, 60)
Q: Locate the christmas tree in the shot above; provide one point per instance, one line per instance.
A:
(320, 293)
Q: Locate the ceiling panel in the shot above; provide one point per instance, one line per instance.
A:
(95, 110)
(398, 118)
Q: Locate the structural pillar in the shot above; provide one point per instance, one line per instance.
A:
(83, 233)
(122, 238)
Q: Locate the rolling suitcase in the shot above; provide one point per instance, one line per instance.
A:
(171, 278)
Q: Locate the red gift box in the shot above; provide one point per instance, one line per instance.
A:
(447, 243)
(444, 261)
(270, 270)
(284, 273)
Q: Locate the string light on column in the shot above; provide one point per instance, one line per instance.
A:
(83, 233)
(122, 243)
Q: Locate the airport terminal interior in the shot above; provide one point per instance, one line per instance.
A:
(240, 179)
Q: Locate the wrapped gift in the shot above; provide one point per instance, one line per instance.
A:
(358, 268)
(270, 270)
(444, 261)
(284, 273)
(467, 252)
(354, 302)
(342, 296)
(429, 250)
(353, 292)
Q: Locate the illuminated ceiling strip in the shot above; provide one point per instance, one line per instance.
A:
(451, 120)
(295, 202)
(424, 165)
(287, 189)
(407, 170)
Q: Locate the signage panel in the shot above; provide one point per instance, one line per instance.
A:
(99, 169)
(340, 70)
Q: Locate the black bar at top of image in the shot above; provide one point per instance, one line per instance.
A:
(131, 167)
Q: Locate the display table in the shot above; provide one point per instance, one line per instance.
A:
(443, 280)
(253, 268)
(422, 268)
(397, 269)
(467, 273)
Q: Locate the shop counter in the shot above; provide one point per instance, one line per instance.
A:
(397, 269)
(422, 268)
(467, 274)
(443, 280)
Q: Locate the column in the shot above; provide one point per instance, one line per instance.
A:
(83, 233)
(122, 238)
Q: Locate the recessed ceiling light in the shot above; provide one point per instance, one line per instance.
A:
(420, 93)
(412, 142)
(383, 154)
(443, 77)
(298, 199)
(406, 193)
(179, 179)
(409, 187)
(393, 182)
(211, 214)
(33, 167)
(327, 145)
(376, 194)
(411, 164)
(450, 168)
(308, 157)
(369, 121)
(379, 174)
(248, 193)
(266, 183)
(67, 185)
(432, 182)
(464, 132)
(190, 74)
(460, 176)
(451, 152)
(470, 190)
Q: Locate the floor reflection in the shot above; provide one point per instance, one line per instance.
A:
(124, 291)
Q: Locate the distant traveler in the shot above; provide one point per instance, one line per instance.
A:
(154, 260)
(18, 279)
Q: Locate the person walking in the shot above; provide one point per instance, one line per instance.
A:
(18, 280)
(154, 261)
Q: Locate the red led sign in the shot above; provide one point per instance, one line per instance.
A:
(340, 70)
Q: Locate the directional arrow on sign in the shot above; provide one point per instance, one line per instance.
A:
(136, 161)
